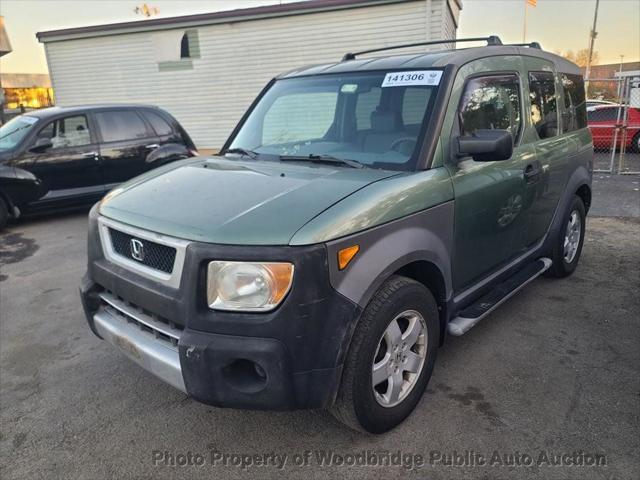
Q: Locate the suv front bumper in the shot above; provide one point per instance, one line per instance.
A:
(286, 359)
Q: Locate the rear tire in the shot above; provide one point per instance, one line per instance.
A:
(4, 214)
(383, 346)
(568, 244)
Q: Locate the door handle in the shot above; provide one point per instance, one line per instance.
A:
(532, 172)
(152, 146)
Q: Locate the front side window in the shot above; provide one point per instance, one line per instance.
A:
(360, 117)
(67, 132)
(121, 125)
(575, 116)
(491, 102)
(12, 132)
(544, 108)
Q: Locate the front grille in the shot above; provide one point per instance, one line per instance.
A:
(154, 255)
(162, 329)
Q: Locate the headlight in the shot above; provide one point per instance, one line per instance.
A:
(245, 286)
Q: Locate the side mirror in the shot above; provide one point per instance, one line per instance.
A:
(486, 145)
(41, 145)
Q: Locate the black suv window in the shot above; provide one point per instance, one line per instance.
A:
(121, 125)
(544, 108)
(492, 102)
(158, 123)
(67, 132)
(575, 104)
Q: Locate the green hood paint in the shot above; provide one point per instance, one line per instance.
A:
(235, 202)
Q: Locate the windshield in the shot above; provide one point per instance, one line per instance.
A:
(12, 132)
(374, 118)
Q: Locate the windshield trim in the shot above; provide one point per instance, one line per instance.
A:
(417, 161)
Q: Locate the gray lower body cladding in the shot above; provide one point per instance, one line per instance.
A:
(285, 359)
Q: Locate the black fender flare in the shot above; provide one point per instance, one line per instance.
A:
(579, 178)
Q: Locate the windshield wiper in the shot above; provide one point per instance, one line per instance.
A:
(321, 159)
(244, 152)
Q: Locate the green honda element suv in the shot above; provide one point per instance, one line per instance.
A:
(358, 213)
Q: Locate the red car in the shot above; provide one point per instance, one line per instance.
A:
(602, 120)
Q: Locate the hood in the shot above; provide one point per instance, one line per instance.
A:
(217, 200)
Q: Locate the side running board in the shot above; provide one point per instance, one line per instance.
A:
(471, 315)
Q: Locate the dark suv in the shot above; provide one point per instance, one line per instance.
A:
(64, 156)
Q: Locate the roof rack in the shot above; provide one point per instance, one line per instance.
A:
(530, 45)
(491, 40)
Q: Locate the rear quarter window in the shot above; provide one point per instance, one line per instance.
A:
(159, 124)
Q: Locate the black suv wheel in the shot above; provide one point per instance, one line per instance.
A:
(391, 358)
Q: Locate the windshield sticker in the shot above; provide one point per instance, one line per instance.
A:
(414, 77)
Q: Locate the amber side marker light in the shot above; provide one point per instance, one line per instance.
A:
(346, 255)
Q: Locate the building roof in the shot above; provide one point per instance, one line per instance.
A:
(25, 80)
(437, 59)
(227, 16)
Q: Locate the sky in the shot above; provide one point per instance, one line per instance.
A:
(559, 25)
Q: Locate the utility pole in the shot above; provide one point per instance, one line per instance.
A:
(593, 34)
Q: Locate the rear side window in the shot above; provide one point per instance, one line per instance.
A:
(121, 125)
(492, 103)
(575, 104)
(158, 123)
(544, 107)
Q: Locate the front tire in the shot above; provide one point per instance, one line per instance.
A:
(568, 244)
(391, 358)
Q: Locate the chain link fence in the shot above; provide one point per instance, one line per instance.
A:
(613, 112)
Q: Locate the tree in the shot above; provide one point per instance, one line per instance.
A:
(581, 57)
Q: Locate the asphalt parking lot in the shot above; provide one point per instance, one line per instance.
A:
(555, 371)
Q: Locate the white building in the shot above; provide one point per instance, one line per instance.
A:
(206, 69)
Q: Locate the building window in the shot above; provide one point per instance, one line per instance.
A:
(175, 49)
(184, 47)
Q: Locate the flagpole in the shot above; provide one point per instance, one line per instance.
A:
(524, 30)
